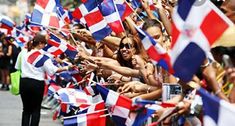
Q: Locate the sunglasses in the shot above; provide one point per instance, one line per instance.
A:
(127, 46)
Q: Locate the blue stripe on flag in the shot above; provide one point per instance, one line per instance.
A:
(101, 34)
(107, 7)
(64, 97)
(184, 7)
(195, 58)
(71, 54)
(119, 121)
(211, 105)
(55, 38)
(6, 22)
(70, 121)
(90, 5)
(163, 63)
(36, 16)
(143, 116)
(47, 47)
(103, 91)
(41, 61)
(121, 9)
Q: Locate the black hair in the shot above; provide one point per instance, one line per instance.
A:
(150, 23)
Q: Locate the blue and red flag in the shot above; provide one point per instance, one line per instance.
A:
(57, 46)
(194, 30)
(7, 24)
(111, 15)
(155, 51)
(123, 8)
(45, 14)
(37, 58)
(120, 105)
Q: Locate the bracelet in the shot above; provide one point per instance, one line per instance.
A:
(205, 65)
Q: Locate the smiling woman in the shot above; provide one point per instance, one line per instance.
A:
(129, 46)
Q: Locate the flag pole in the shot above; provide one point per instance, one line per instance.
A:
(67, 117)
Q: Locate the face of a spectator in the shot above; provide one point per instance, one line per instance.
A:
(127, 49)
(229, 9)
(156, 33)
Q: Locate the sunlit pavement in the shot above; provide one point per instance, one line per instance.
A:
(11, 109)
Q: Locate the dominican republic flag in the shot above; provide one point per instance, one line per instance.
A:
(138, 117)
(57, 46)
(7, 24)
(120, 105)
(194, 29)
(21, 35)
(73, 97)
(65, 14)
(92, 108)
(89, 12)
(90, 119)
(123, 8)
(53, 88)
(216, 112)
(135, 3)
(45, 14)
(37, 58)
(111, 15)
(155, 51)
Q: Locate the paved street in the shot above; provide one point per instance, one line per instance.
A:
(11, 108)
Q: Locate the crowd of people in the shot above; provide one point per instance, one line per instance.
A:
(121, 62)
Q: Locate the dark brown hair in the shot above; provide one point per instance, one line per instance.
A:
(38, 39)
(139, 51)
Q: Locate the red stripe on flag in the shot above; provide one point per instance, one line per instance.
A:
(77, 14)
(93, 18)
(53, 43)
(124, 102)
(57, 52)
(33, 56)
(54, 21)
(42, 3)
(127, 11)
(153, 54)
(175, 34)
(84, 1)
(116, 26)
(94, 119)
(213, 26)
(71, 47)
(9, 29)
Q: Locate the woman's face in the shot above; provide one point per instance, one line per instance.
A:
(127, 49)
(156, 33)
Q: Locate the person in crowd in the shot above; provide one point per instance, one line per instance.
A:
(5, 58)
(32, 81)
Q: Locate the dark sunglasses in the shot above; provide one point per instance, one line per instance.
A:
(127, 46)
